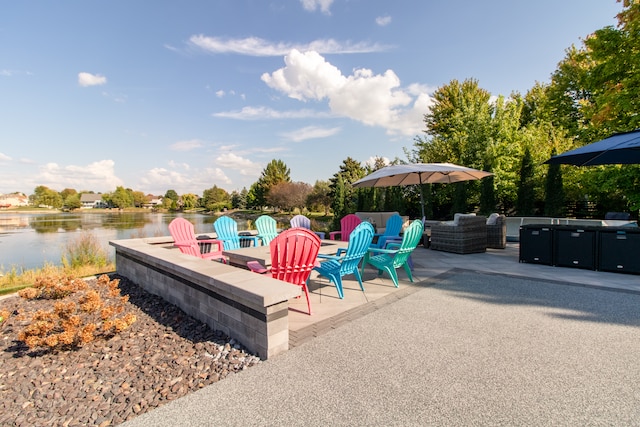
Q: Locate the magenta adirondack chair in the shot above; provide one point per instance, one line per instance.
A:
(293, 255)
(184, 238)
(347, 224)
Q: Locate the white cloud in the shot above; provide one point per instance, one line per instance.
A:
(265, 113)
(88, 79)
(255, 46)
(310, 132)
(96, 176)
(383, 21)
(372, 99)
(244, 166)
(312, 5)
(220, 93)
(186, 145)
(4, 157)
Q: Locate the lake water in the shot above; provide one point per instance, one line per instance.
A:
(29, 240)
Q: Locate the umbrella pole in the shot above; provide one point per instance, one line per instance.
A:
(421, 197)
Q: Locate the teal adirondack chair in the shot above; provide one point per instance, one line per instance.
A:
(227, 231)
(267, 229)
(390, 259)
(391, 231)
(337, 266)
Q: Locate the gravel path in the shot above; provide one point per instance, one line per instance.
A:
(163, 356)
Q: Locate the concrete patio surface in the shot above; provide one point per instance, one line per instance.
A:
(477, 339)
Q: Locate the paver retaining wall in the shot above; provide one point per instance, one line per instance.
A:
(249, 307)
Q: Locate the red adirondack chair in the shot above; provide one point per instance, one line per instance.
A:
(293, 255)
(184, 238)
(347, 224)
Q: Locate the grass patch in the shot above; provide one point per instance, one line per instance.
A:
(82, 257)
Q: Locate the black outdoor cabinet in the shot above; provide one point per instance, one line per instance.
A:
(619, 250)
(536, 244)
(575, 247)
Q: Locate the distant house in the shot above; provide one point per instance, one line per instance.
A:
(89, 201)
(13, 200)
(152, 201)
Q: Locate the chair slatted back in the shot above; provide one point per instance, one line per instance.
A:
(410, 240)
(267, 228)
(293, 255)
(183, 233)
(227, 230)
(300, 221)
(359, 242)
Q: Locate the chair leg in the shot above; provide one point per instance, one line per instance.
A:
(407, 268)
(337, 281)
(359, 277)
(306, 294)
(394, 276)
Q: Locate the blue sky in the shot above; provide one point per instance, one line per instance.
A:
(184, 95)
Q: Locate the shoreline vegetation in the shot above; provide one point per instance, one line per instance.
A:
(85, 257)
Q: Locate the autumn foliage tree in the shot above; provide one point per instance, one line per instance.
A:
(289, 195)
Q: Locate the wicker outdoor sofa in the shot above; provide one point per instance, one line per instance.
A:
(465, 235)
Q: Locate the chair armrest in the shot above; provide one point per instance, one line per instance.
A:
(254, 238)
(382, 250)
(213, 242)
(336, 257)
(333, 234)
(256, 267)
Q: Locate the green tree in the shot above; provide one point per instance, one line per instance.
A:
(189, 201)
(139, 198)
(45, 196)
(320, 198)
(72, 201)
(274, 173)
(216, 199)
(344, 196)
(526, 188)
(239, 199)
(121, 198)
(554, 192)
(338, 201)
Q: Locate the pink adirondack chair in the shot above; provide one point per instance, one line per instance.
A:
(347, 224)
(184, 238)
(294, 253)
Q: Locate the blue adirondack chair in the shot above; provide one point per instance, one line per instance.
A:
(227, 231)
(391, 231)
(390, 259)
(337, 266)
(267, 229)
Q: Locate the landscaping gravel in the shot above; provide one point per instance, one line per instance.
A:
(164, 355)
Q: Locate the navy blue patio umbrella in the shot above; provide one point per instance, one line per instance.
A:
(619, 148)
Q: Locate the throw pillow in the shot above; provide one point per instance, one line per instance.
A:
(493, 218)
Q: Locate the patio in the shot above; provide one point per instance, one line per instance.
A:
(330, 312)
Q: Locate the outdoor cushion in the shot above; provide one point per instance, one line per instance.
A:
(493, 218)
(456, 217)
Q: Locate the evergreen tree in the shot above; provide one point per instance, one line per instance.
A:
(526, 191)
(554, 192)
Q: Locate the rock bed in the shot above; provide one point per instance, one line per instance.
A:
(164, 355)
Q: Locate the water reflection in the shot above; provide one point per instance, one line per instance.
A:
(31, 240)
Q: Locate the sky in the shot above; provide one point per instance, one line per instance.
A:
(185, 95)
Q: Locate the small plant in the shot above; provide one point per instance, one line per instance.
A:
(80, 313)
(84, 250)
